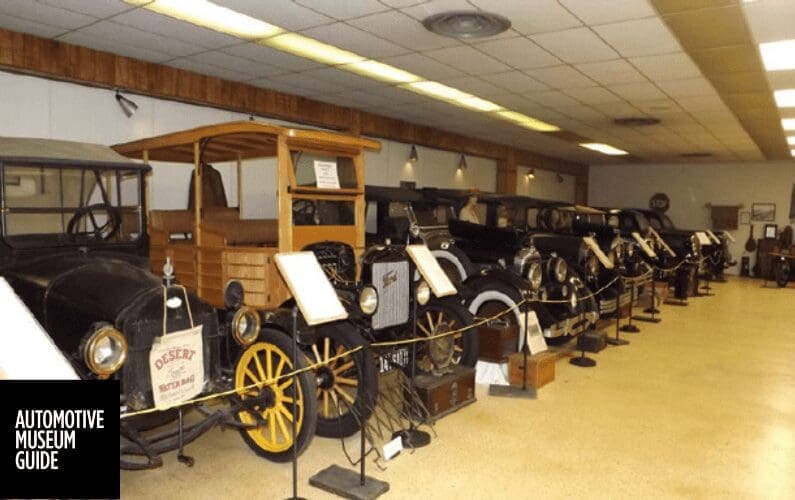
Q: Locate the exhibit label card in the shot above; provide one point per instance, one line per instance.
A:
(310, 286)
(703, 238)
(431, 271)
(176, 366)
(643, 245)
(326, 174)
(535, 337)
(598, 251)
(713, 237)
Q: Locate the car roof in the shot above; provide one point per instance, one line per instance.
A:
(391, 193)
(51, 151)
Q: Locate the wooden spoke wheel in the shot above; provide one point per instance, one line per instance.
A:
(438, 318)
(269, 395)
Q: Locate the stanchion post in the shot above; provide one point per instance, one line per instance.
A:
(509, 390)
(629, 327)
(295, 412)
(362, 475)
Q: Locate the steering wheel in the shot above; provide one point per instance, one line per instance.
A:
(99, 231)
(304, 212)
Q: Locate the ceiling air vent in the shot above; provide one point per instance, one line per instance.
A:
(466, 24)
(636, 121)
(696, 154)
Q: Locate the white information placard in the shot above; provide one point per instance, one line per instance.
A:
(535, 337)
(703, 238)
(326, 174)
(176, 366)
(27, 352)
(431, 271)
(730, 237)
(310, 286)
(393, 447)
(713, 237)
(598, 251)
(644, 246)
(662, 242)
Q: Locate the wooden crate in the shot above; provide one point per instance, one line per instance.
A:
(497, 342)
(445, 394)
(540, 368)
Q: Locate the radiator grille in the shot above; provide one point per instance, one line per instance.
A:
(391, 279)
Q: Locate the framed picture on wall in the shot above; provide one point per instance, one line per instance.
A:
(771, 231)
(763, 212)
(745, 217)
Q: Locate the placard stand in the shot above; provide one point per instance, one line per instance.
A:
(707, 290)
(652, 309)
(412, 437)
(295, 412)
(509, 391)
(629, 327)
(617, 340)
(319, 304)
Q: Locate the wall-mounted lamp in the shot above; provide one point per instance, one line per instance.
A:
(413, 156)
(559, 178)
(531, 174)
(127, 105)
(462, 162)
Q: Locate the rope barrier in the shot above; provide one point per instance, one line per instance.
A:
(258, 385)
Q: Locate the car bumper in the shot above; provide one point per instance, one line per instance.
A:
(572, 326)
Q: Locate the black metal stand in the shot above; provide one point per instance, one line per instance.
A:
(583, 361)
(413, 437)
(629, 327)
(510, 391)
(652, 309)
(617, 340)
(707, 290)
(181, 457)
(295, 413)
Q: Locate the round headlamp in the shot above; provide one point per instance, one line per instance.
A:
(245, 326)
(414, 230)
(558, 269)
(368, 300)
(423, 292)
(573, 300)
(105, 351)
(535, 275)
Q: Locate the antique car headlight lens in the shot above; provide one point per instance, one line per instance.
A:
(368, 300)
(245, 326)
(423, 293)
(105, 351)
(414, 230)
(535, 275)
(559, 269)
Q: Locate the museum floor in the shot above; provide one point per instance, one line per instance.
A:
(700, 405)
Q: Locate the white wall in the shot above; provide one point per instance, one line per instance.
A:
(545, 185)
(691, 187)
(37, 107)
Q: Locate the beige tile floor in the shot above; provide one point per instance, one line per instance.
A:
(701, 405)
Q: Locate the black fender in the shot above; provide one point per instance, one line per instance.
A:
(457, 260)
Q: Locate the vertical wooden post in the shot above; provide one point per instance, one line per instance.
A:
(197, 195)
(146, 192)
(506, 174)
(239, 185)
(284, 164)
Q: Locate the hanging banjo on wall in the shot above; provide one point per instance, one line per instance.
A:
(750, 243)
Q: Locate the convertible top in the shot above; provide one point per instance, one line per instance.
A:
(50, 150)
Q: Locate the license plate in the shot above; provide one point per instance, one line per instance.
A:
(398, 358)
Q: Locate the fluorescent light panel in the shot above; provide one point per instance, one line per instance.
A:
(779, 55)
(791, 140)
(785, 98)
(212, 16)
(788, 123)
(603, 148)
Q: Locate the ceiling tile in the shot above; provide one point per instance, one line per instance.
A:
(152, 22)
(429, 8)
(32, 27)
(616, 109)
(300, 80)
(339, 77)
(702, 103)
(354, 39)
(45, 14)
(552, 98)
(689, 87)
(112, 45)
(581, 112)
(656, 107)
(639, 37)
(468, 60)
(398, 95)
(283, 13)
(518, 52)
(771, 21)
(344, 10)
(283, 86)
(575, 45)
(121, 33)
(234, 63)
(476, 86)
(561, 77)
(95, 8)
(209, 69)
(515, 81)
(592, 95)
(403, 30)
(423, 66)
(270, 57)
(594, 12)
(538, 16)
(666, 67)
(611, 72)
(518, 103)
(637, 91)
(400, 4)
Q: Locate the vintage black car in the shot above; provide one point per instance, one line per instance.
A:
(73, 246)
(566, 306)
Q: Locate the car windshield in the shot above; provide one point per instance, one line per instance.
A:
(45, 204)
(431, 215)
(323, 170)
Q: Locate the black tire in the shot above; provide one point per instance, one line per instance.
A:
(490, 298)
(279, 347)
(438, 317)
(353, 378)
